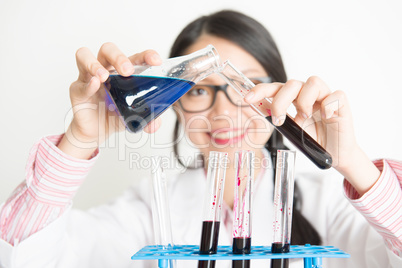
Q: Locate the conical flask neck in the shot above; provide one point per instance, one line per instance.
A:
(196, 66)
(193, 67)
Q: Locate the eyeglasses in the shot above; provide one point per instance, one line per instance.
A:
(202, 97)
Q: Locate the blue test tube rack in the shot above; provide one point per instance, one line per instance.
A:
(312, 255)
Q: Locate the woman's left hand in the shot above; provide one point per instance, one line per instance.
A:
(324, 115)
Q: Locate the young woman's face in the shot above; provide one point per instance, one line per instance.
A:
(225, 126)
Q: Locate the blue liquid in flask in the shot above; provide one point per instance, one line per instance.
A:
(140, 99)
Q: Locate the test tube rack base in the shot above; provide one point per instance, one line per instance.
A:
(312, 255)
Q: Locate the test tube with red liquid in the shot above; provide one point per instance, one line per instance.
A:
(243, 192)
(215, 184)
(290, 129)
(283, 206)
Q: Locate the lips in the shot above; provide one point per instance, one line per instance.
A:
(227, 136)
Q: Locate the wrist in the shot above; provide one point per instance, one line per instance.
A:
(359, 171)
(76, 145)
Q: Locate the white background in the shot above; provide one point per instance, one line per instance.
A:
(355, 46)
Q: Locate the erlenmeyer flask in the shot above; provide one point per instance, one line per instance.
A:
(147, 93)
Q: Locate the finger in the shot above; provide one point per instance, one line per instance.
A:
(283, 99)
(262, 91)
(282, 96)
(89, 66)
(153, 126)
(308, 124)
(313, 91)
(80, 91)
(334, 106)
(150, 57)
(110, 55)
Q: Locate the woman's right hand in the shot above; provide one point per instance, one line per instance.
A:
(93, 122)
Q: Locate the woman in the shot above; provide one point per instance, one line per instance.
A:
(39, 229)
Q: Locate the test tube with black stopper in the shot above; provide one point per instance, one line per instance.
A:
(161, 213)
(215, 184)
(283, 206)
(290, 129)
(243, 192)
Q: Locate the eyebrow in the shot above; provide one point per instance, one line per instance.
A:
(249, 71)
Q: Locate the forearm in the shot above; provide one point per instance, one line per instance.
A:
(360, 171)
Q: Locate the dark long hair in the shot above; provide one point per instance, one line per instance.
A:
(256, 40)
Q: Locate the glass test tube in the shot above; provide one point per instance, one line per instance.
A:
(290, 129)
(242, 204)
(217, 163)
(283, 206)
(161, 213)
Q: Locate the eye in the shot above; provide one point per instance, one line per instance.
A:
(198, 91)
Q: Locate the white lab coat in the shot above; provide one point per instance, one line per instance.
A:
(108, 235)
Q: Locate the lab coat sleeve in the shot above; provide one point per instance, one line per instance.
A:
(105, 236)
(38, 250)
(56, 235)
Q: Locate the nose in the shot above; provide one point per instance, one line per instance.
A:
(222, 105)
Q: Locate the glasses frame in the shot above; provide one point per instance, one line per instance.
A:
(223, 88)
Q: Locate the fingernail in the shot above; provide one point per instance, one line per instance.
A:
(156, 58)
(249, 96)
(102, 74)
(127, 67)
(329, 115)
(304, 115)
(275, 120)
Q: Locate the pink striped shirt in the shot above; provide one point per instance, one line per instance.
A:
(53, 178)
(382, 204)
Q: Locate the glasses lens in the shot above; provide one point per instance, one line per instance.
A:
(235, 97)
(199, 98)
